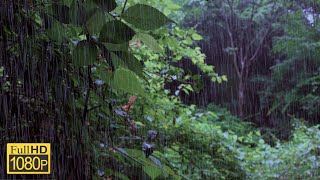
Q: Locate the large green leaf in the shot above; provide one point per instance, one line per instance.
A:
(117, 174)
(117, 47)
(128, 60)
(59, 12)
(145, 17)
(127, 81)
(134, 153)
(77, 15)
(57, 31)
(152, 171)
(107, 5)
(84, 54)
(168, 171)
(116, 32)
(81, 12)
(96, 22)
(150, 42)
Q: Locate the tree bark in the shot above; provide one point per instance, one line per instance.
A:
(241, 97)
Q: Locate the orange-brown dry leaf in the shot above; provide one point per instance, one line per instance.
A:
(129, 106)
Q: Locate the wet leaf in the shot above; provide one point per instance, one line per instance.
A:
(116, 32)
(150, 42)
(129, 61)
(145, 17)
(122, 151)
(127, 81)
(79, 13)
(107, 5)
(120, 113)
(153, 172)
(84, 54)
(168, 171)
(134, 153)
(156, 161)
(57, 31)
(96, 22)
(59, 12)
(117, 47)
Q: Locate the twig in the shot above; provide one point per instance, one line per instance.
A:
(85, 110)
(124, 6)
(94, 108)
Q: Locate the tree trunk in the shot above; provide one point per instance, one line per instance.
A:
(241, 99)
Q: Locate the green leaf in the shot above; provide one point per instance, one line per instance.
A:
(176, 177)
(116, 32)
(117, 47)
(156, 161)
(189, 87)
(168, 171)
(78, 14)
(129, 61)
(185, 91)
(224, 78)
(127, 81)
(150, 42)
(152, 171)
(101, 73)
(107, 5)
(145, 17)
(196, 37)
(140, 123)
(60, 12)
(120, 176)
(84, 54)
(117, 174)
(96, 22)
(188, 41)
(67, 3)
(57, 31)
(134, 153)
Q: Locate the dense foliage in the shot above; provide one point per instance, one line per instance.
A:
(103, 82)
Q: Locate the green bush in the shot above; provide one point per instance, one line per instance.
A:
(298, 158)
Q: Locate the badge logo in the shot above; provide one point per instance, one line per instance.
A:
(28, 158)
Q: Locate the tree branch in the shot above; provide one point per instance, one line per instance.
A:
(85, 109)
(232, 46)
(259, 46)
(124, 6)
(274, 17)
